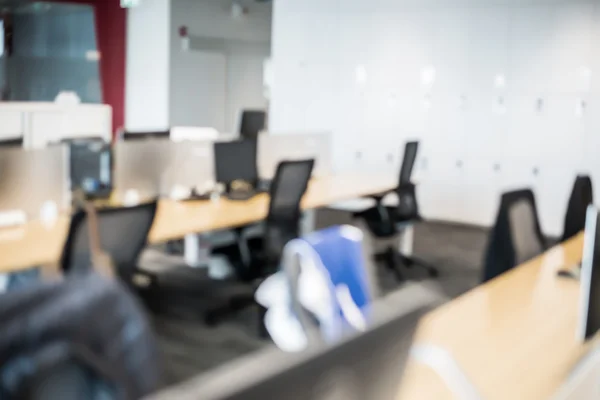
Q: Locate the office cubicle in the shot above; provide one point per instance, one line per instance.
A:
(31, 180)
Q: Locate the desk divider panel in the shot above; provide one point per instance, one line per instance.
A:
(33, 179)
(156, 167)
(139, 165)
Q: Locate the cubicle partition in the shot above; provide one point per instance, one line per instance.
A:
(34, 181)
(139, 166)
(157, 167)
(274, 148)
(189, 165)
(160, 166)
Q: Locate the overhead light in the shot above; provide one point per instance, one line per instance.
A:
(500, 81)
(361, 75)
(428, 76)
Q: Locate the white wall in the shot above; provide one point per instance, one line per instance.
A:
(209, 88)
(148, 66)
(472, 147)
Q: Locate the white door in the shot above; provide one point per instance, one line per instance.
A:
(591, 160)
(486, 130)
(199, 89)
(441, 188)
(561, 158)
(244, 87)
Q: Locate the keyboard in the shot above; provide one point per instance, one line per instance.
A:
(240, 195)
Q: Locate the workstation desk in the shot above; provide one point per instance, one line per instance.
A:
(512, 338)
(40, 243)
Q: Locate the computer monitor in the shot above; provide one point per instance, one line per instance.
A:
(253, 122)
(236, 160)
(90, 167)
(366, 366)
(589, 317)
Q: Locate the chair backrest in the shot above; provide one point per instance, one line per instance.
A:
(90, 165)
(122, 231)
(516, 236)
(582, 195)
(146, 135)
(287, 189)
(183, 133)
(81, 338)
(408, 162)
(408, 207)
(253, 121)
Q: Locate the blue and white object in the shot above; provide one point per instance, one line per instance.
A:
(331, 285)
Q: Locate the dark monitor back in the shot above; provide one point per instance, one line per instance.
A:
(236, 160)
(590, 277)
(91, 167)
(253, 122)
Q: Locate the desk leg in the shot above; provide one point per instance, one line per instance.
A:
(196, 251)
(307, 224)
(406, 241)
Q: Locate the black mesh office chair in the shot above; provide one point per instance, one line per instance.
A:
(386, 222)
(516, 236)
(281, 225)
(83, 338)
(123, 233)
(582, 195)
(252, 123)
(180, 290)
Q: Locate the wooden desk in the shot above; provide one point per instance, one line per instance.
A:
(36, 244)
(514, 337)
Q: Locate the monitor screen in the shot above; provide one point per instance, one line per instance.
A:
(590, 277)
(236, 161)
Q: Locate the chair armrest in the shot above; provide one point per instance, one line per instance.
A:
(380, 196)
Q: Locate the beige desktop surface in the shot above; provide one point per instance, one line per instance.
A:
(36, 243)
(514, 337)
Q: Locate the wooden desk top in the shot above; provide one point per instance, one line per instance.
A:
(514, 337)
(36, 243)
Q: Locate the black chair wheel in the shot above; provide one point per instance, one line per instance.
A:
(211, 319)
(434, 273)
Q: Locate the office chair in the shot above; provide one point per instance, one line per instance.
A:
(123, 233)
(83, 338)
(252, 123)
(387, 222)
(261, 256)
(182, 288)
(516, 236)
(7, 143)
(582, 195)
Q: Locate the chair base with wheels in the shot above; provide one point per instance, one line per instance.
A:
(385, 223)
(395, 261)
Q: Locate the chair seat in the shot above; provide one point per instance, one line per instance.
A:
(389, 226)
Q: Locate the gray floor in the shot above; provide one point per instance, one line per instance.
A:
(190, 348)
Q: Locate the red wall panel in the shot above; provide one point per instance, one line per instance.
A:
(111, 34)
